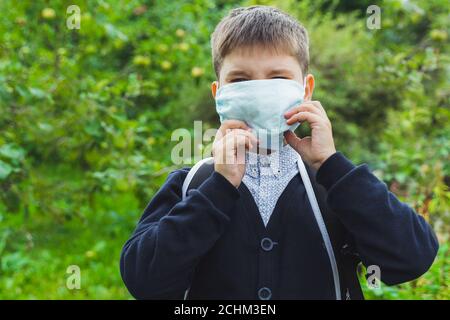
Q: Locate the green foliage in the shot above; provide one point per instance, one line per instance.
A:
(86, 117)
(433, 285)
(106, 97)
(35, 254)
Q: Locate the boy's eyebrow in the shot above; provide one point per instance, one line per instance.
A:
(236, 73)
(280, 71)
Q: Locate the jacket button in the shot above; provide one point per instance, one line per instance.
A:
(267, 244)
(264, 293)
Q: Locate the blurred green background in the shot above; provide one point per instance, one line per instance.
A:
(86, 118)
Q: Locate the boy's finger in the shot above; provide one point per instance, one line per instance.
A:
(246, 133)
(307, 106)
(318, 105)
(304, 116)
(291, 138)
(237, 142)
(231, 139)
(290, 135)
(230, 124)
(234, 146)
(234, 124)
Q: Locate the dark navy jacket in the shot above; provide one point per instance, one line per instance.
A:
(211, 241)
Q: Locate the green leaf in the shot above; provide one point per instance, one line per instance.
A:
(113, 32)
(5, 170)
(38, 93)
(12, 152)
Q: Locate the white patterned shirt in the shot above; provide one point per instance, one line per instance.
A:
(266, 176)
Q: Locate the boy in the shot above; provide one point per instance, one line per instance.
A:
(251, 229)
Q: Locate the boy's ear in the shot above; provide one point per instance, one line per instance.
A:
(309, 87)
(214, 87)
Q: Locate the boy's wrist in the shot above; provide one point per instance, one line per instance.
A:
(316, 165)
(332, 169)
(219, 191)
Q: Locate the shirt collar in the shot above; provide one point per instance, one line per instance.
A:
(277, 163)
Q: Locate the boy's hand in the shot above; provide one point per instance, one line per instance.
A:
(228, 150)
(318, 147)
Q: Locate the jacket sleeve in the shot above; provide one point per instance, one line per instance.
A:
(387, 232)
(158, 261)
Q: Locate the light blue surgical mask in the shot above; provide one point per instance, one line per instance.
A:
(262, 105)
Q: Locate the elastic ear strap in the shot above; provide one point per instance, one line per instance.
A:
(321, 224)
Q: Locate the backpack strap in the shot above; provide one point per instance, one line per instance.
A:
(198, 173)
(343, 243)
(195, 177)
(322, 226)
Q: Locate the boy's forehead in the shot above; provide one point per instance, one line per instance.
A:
(257, 58)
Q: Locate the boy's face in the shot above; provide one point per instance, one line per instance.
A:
(258, 63)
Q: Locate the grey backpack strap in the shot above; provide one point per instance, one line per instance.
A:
(343, 243)
(198, 173)
(321, 224)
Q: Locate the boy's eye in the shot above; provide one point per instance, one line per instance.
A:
(238, 80)
(280, 77)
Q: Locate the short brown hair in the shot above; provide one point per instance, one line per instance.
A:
(259, 25)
